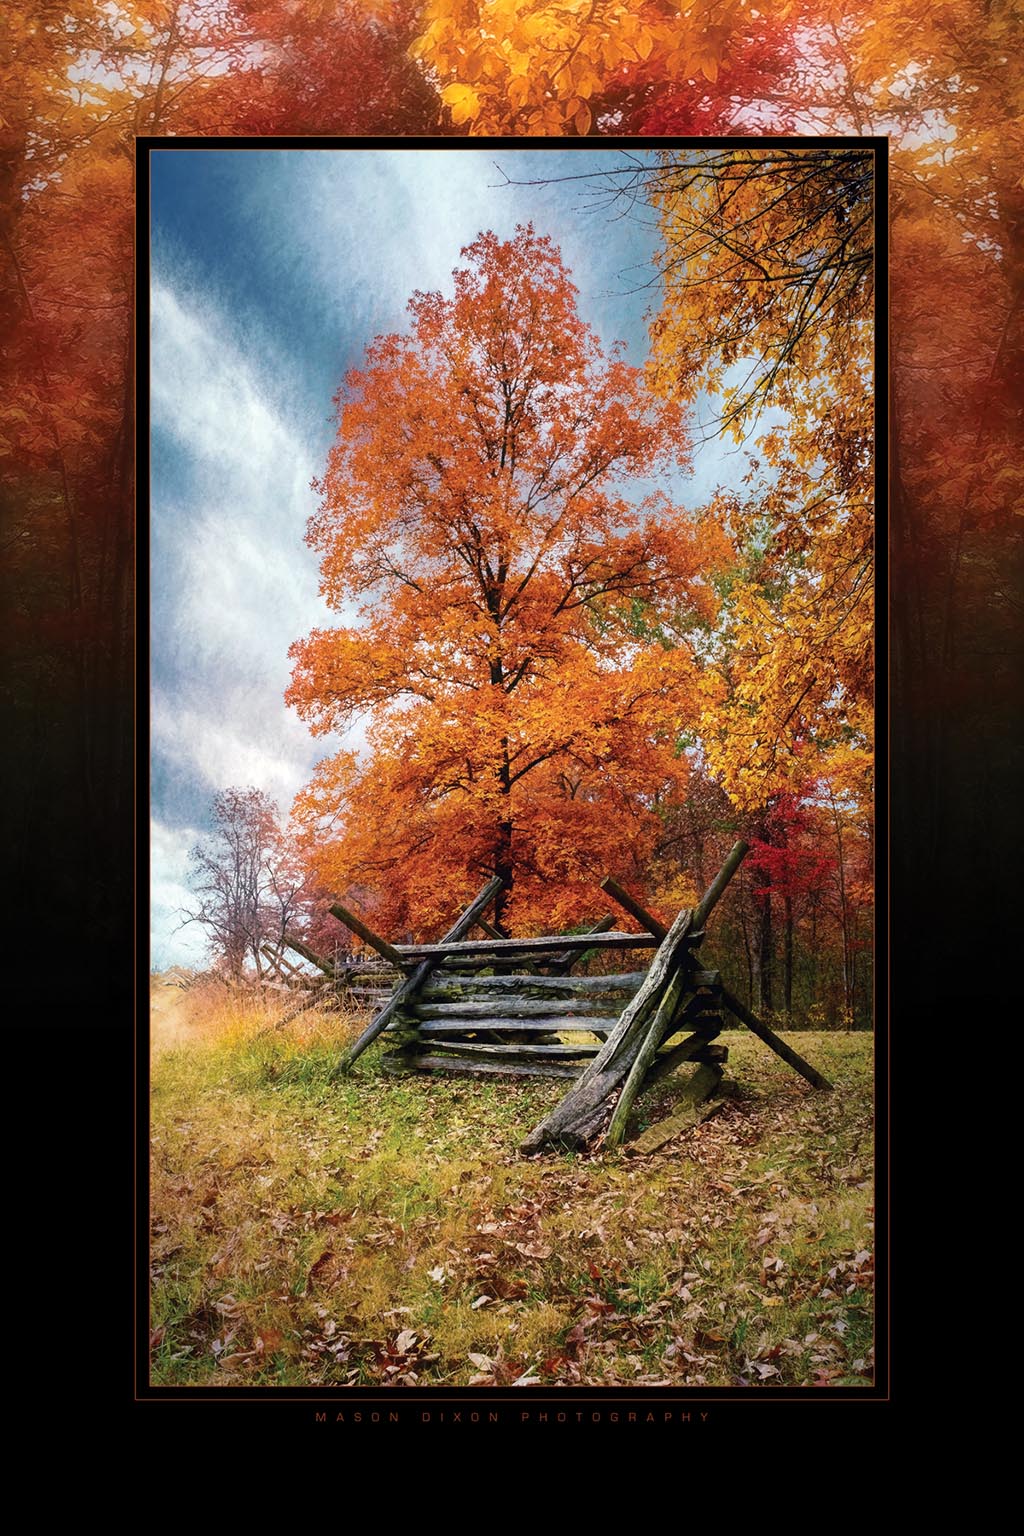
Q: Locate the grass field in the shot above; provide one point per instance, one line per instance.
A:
(310, 1230)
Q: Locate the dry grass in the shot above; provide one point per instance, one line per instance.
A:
(313, 1230)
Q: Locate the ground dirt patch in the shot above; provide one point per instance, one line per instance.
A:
(172, 1023)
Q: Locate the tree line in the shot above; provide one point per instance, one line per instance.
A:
(81, 83)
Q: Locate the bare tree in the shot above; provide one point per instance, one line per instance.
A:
(249, 884)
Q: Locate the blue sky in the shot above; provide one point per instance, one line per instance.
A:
(271, 272)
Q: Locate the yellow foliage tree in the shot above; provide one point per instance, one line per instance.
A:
(534, 68)
(767, 272)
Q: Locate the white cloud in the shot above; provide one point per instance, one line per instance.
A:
(233, 582)
(368, 228)
(170, 943)
(250, 466)
(223, 750)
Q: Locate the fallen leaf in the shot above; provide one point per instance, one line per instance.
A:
(533, 1250)
(319, 1266)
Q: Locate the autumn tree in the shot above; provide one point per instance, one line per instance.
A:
(765, 272)
(248, 883)
(551, 67)
(766, 266)
(478, 508)
(328, 69)
(746, 93)
(766, 263)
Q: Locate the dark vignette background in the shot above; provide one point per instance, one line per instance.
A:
(74, 887)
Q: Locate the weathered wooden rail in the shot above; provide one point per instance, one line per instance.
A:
(503, 1005)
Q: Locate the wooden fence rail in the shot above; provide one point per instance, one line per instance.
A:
(501, 1005)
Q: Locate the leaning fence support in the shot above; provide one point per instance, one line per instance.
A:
(582, 1113)
(632, 906)
(365, 932)
(760, 1029)
(294, 942)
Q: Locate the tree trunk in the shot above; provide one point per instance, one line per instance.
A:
(747, 952)
(788, 957)
(844, 913)
(763, 952)
(504, 869)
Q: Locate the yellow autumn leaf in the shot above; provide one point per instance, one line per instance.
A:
(462, 101)
(518, 90)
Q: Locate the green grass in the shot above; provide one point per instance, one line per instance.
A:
(315, 1230)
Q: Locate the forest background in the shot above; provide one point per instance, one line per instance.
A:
(82, 82)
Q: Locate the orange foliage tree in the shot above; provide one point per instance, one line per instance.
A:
(766, 266)
(767, 259)
(523, 715)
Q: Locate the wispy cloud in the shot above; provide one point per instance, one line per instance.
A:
(262, 746)
(367, 228)
(233, 583)
(170, 942)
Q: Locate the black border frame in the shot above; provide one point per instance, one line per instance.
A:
(434, 1406)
